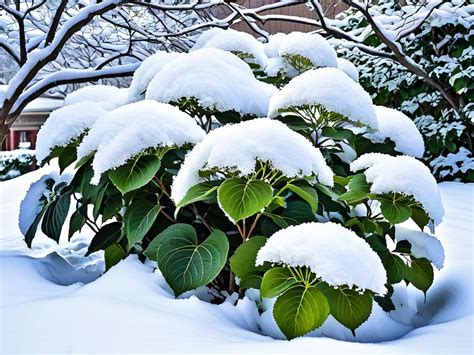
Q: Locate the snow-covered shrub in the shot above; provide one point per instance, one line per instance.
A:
(442, 45)
(302, 205)
(15, 163)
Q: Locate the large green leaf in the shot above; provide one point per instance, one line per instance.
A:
(421, 274)
(200, 192)
(55, 216)
(77, 221)
(31, 232)
(241, 198)
(276, 281)
(138, 219)
(106, 236)
(358, 189)
(242, 263)
(350, 308)
(135, 173)
(113, 254)
(395, 213)
(395, 266)
(300, 310)
(187, 264)
(307, 193)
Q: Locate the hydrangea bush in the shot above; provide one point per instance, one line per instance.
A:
(302, 205)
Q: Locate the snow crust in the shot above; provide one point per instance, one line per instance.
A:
(423, 245)
(330, 88)
(399, 128)
(126, 131)
(309, 45)
(237, 147)
(66, 124)
(147, 70)
(332, 252)
(106, 94)
(404, 175)
(348, 68)
(223, 82)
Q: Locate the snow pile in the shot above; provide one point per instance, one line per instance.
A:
(330, 88)
(279, 65)
(396, 126)
(238, 42)
(332, 252)
(222, 82)
(273, 45)
(404, 175)
(105, 94)
(66, 124)
(310, 46)
(348, 68)
(147, 70)
(238, 147)
(423, 245)
(206, 36)
(141, 125)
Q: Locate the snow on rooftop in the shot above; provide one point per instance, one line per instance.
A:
(310, 46)
(348, 68)
(147, 70)
(423, 245)
(237, 147)
(332, 252)
(330, 88)
(98, 93)
(404, 175)
(141, 125)
(44, 104)
(66, 124)
(396, 126)
(217, 79)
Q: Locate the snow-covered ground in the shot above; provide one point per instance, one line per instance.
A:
(47, 306)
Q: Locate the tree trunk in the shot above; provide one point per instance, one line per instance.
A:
(4, 129)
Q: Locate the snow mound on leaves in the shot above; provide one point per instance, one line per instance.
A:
(147, 70)
(311, 46)
(279, 65)
(216, 78)
(238, 146)
(128, 130)
(273, 45)
(205, 36)
(109, 95)
(330, 88)
(396, 126)
(404, 175)
(332, 252)
(348, 68)
(66, 124)
(423, 245)
(235, 41)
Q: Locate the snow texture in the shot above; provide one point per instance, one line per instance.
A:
(66, 124)
(348, 68)
(330, 88)
(311, 46)
(223, 82)
(404, 175)
(237, 147)
(423, 245)
(279, 65)
(205, 36)
(140, 125)
(105, 94)
(273, 45)
(400, 129)
(318, 247)
(145, 73)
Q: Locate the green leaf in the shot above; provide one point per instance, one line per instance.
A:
(276, 281)
(138, 219)
(76, 223)
(308, 194)
(358, 190)
(419, 216)
(152, 249)
(242, 263)
(55, 216)
(31, 232)
(99, 199)
(67, 156)
(300, 310)
(136, 173)
(395, 213)
(112, 255)
(395, 266)
(200, 192)
(107, 235)
(241, 198)
(186, 263)
(420, 274)
(350, 308)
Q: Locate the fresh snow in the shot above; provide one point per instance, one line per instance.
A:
(308, 45)
(105, 94)
(66, 124)
(400, 129)
(238, 147)
(279, 65)
(348, 68)
(423, 245)
(318, 247)
(223, 82)
(206, 36)
(273, 44)
(330, 88)
(405, 175)
(51, 285)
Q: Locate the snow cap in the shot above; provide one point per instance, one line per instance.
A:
(348, 68)
(111, 95)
